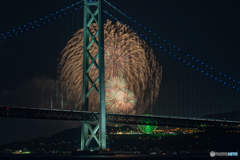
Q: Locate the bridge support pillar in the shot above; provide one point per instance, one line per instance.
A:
(85, 141)
(84, 136)
(90, 17)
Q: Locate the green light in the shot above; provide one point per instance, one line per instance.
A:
(147, 128)
(27, 152)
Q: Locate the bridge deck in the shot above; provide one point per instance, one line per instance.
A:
(54, 114)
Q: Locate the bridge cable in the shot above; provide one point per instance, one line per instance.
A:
(207, 74)
(35, 24)
(174, 47)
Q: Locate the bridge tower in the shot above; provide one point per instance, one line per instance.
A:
(91, 15)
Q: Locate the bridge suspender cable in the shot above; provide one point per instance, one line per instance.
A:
(174, 47)
(16, 32)
(40, 21)
(207, 74)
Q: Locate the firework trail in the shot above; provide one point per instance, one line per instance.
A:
(126, 55)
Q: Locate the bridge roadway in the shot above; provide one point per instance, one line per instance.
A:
(54, 114)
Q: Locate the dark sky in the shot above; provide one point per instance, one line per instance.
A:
(206, 30)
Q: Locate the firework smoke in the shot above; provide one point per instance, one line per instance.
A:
(126, 55)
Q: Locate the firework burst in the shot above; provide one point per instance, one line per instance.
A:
(126, 55)
(114, 84)
(128, 102)
(118, 98)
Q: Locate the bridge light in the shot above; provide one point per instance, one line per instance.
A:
(7, 108)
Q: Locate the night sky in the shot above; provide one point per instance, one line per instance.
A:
(206, 30)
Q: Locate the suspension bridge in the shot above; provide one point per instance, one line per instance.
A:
(199, 82)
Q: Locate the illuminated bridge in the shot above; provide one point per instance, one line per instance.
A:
(188, 87)
(85, 116)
